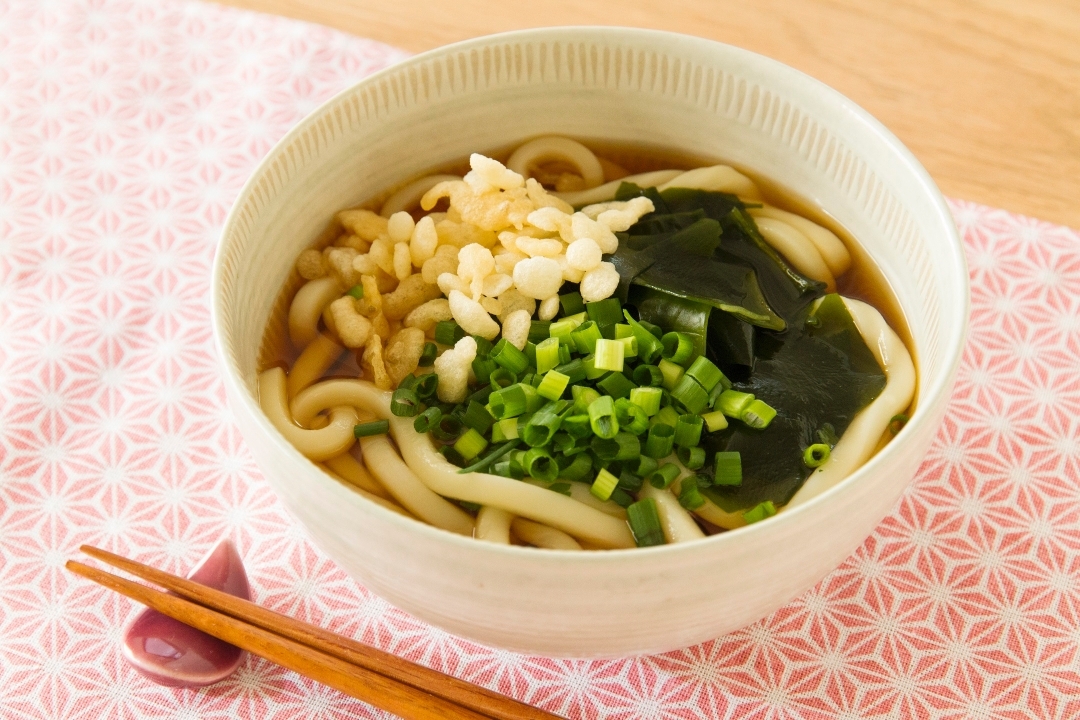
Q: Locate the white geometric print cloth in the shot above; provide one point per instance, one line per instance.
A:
(126, 129)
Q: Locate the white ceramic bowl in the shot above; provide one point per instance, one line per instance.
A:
(629, 86)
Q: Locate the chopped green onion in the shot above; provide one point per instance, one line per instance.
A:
(689, 395)
(553, 385)
(646, 466)
(759, 512)
(571, 303)
(376, 427)
(504, 430)
(689, 495)
(630, 347)
(631, 417)
(655, 330)
(530, 355)
(564, 443)
(427, 419)
(727, 469)
(622, 330)
(509, 357)
(477, 417)
(561, 488)
(616, 385)
(733, 403)
(896, 424)
(649, 345)
(481, 396)
(692, 457)
(688, 430)
(758, 414)
(483, 345)
(647, 398)
(448, 429)
(574, 370)
(495, 454)
(544, 424)
(501, 378)
(404, 402)
(452, 455)
(583, 396)
(539, 464)
(470, 444)
(664, 476)
(629, 482)
(645, 523)
(604, 312)
(660, 441)
(428, 354)
(562, 328)
(629, 447)
(667, 415)
(502, 468)
(425, 385)
(671, 374)
(564, 353)
(448, 332)
(591, 371)
(579, 469)
(510, 401)
(547, 355)
(605, 449)
(602, 418)
(609, 355)
(577, 426)
(715, 420)
(648, 376)
(357, 291)
(622, 498)
(482, 367)
(539, 330)
(585, 337)
(705, 372)
(816, 455)
(827, 434)
(703, 480)
(604, 485)
(678, 347)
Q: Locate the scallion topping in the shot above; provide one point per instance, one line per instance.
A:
(689, 495)
(553, 385)
(539, 464)
(425, 385)
(733, 403)
(477, 417)
(605, 312)
(571, 303)
(896, 424)
(482, 367)
(758, 414)
(646, 466)
(375, 427)
(509, 357)
(660, 441)
(579, 469)
(816, 455)
(692, 457)
(448, 429)
(671, 374)
(585, 337)
(604, 485)
(705, 372)
(501, 378)
(547, 355)
(678, 347)
(648, 376)
(631, 417)
(427, 420)
(470, 444)
(404, 402)
(577, 426)
(647, 398)
(688, 430)
(759, 512)
(602, 418)
(448, 332)
(356, 291)
(664, 476)
(714, 420)
(539, 330)
(689, 395)
(644, 523)
(609, 355)
(727, 469)
(543, 425)
(490, 458)
(616, 385)
(428, 354)
(649, 345)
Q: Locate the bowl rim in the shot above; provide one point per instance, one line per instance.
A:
(926, 396)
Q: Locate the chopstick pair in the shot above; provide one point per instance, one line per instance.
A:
(378, 678)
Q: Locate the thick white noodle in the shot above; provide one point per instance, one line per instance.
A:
(676, 522)
(832, 249)
(354, 471)
(435, 471)
(409, 196)
(407, 489)
(580, 492)
(543, 536)
(546, 149)
(606, 192)
(493, 525)
(861, 438)
(715, 178)
(797, 249)
(318, 445)
(388, 504)
(307, 307)
(318, 357)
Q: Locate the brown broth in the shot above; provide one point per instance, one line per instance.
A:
(863, 281)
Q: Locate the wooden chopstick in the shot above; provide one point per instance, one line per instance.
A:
(444, 686)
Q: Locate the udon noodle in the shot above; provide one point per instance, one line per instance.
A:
(380, 290)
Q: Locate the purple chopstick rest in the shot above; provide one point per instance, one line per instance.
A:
(171, 653)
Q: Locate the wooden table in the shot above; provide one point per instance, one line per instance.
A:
(985, 92)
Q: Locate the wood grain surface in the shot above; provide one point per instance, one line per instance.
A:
(986, 93)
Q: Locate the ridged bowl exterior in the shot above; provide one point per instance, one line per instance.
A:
(626, 86)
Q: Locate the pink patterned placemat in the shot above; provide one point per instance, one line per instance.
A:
(126, 129)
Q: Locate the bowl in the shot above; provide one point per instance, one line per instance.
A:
(626, 86)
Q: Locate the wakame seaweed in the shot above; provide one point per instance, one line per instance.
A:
(821, 375)
(698, 265)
